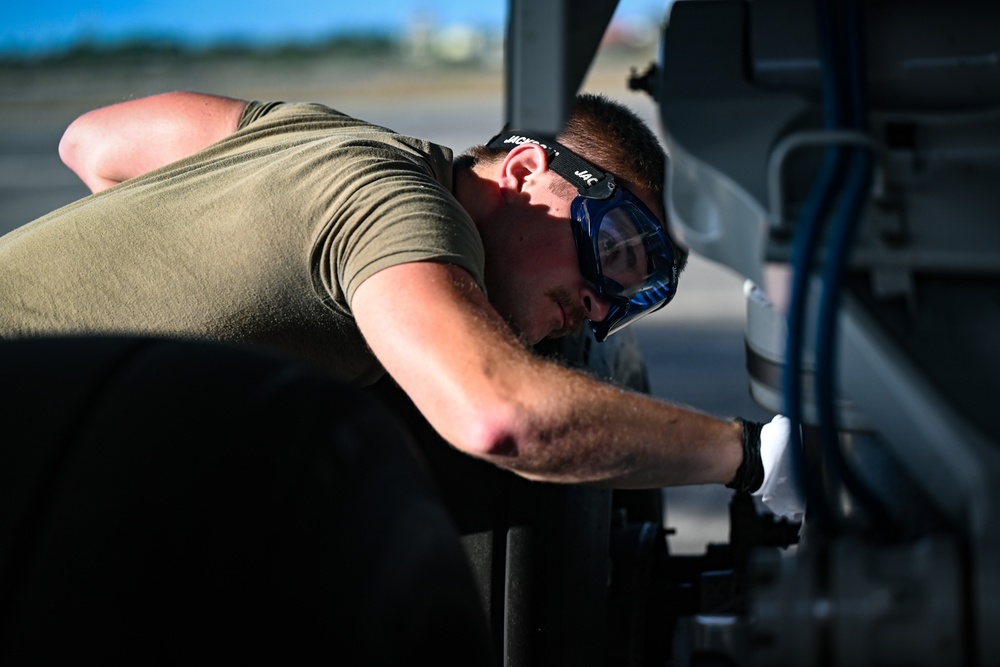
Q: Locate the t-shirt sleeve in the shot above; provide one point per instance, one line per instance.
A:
(379, 195)
(417, 222)
(256, 110)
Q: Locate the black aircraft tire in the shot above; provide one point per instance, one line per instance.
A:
(168, 503)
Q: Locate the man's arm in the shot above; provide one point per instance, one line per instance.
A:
(437, 335)
(109, 145)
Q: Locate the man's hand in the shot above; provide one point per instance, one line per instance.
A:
(109, 145)
(779, 491)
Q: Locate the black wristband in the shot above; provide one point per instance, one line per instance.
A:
(750, 474)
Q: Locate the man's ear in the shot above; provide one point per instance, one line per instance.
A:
(519, 167)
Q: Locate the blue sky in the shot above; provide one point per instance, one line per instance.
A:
(45, 25)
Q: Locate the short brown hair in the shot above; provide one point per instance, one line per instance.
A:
(613, 138)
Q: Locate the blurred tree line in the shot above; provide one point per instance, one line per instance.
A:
(142, 51)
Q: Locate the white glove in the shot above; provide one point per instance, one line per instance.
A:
(779, 492)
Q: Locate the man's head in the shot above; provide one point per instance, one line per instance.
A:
(574, 275)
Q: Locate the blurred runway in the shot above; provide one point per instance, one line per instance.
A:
(694, 347)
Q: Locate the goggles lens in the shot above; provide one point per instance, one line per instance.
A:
(627, 256)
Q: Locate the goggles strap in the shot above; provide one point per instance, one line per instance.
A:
(590, 181)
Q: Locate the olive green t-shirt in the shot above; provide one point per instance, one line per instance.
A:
(260, 238)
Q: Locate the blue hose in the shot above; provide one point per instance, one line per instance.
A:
(842, 187)
(808, 230)
(843, 231)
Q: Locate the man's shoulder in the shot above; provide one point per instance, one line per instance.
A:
(257, 111)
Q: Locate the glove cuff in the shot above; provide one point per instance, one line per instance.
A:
(750, 474)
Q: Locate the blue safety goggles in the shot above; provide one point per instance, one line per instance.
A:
(624, 251)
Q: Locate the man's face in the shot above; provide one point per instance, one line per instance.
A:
(532, 270)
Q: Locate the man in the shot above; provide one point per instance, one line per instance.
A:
(296, 227)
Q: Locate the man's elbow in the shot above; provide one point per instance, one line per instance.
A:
(514, 445)
(494, 434)
(69, 149)
(80, 155)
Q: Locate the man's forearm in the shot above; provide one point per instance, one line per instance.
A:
(612, 437)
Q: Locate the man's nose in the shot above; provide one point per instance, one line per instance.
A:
(594, 304)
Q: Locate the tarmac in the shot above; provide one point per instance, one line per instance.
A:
(694, 348)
